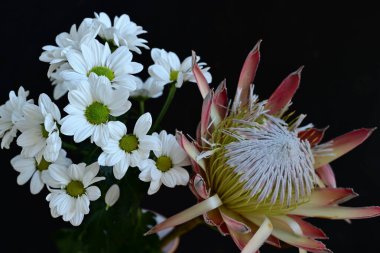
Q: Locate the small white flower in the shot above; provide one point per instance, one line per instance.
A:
(66, 42)
(167, 68)
(123, 32)
(72, 199)
(39, 130)
(97, 58)
(112, 195)
(167, 167)
(37, 168)
(148, 89)
(124, 150)
(90, 109)
(11, 113)
(61, 86)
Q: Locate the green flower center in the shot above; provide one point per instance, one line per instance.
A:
(75, 188)
(164, 163)
(43, 165)
(97, 113)
(45, 133)
(173, 75)
(102, 71)
(129, 143)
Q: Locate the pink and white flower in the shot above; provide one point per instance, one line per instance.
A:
(257, 174)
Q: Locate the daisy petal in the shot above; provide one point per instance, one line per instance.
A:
(93, 193)
(36, 183)
(143, 125)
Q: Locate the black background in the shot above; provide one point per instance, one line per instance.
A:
(339, 46)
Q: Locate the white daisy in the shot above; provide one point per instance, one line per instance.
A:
(167, 167)
(37, 168)
(97, 58)
(123, 32)
(61, 86)
(124, 150)
(39, 130)
(66, 42)
(167, 68)
(112, 195)
(72, 199)
(148, 89)
(91, 108)
(10, 113)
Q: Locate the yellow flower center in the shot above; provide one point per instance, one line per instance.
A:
(97, 113)
(164, 163)
(129, 143)
(75, 188)
(102, 71)
(43, 165)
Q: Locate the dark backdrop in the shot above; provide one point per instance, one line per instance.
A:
(339, 45)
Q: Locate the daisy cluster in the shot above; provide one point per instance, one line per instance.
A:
(92, 66)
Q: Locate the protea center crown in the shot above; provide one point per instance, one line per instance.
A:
(260, 165)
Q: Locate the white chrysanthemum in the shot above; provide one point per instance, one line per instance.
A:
(61, 86)
(124, 150)
(10, 113)
(167, 167)
(97, 58)
(112, 195)
(39, 130)
(37, 168)
(72, 199)
(123, 32)
(167, 68)
(151, 88)
(66, 42)
(91, 108)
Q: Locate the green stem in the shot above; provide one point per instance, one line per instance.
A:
(69, 146)
(165, 108)
(181, 230)
(90, 156)
(142, 106)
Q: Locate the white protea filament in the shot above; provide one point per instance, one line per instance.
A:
(273, 163)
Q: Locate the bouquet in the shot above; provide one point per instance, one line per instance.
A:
(256, 170)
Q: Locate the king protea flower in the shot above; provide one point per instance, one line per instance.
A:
(258, 174)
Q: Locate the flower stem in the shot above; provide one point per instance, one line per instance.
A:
(69, 146)
(165, 108)
(142, 106)
(181, 230)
